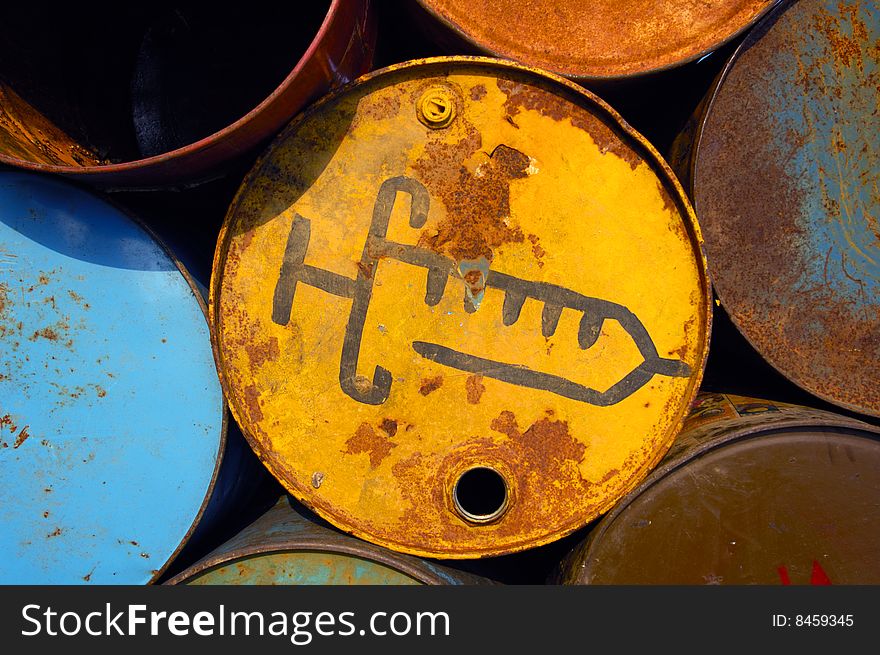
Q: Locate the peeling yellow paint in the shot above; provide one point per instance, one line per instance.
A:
(554, 202)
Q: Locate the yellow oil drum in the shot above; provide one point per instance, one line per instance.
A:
(460, 307)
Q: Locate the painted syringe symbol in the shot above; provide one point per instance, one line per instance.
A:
(555, 298)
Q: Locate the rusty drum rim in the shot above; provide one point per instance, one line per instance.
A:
(203, 144)
(766, 21)
(319, 539)
(587, 78)
(631, 137)
(715, 88)
(820, 418)
(336, 544)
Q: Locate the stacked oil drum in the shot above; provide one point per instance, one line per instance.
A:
(422, 292)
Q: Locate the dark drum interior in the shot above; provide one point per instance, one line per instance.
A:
(123, 82)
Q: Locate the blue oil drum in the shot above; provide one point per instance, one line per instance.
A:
(785, 188)
(112, 420)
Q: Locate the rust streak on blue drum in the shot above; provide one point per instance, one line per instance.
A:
(111, 414)
(786, 191)
(287, 546)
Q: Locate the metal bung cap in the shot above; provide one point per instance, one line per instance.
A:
(785, 185)
(595, 40)
(112, 420)
(460, 307)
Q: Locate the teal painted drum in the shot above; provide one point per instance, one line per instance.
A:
(111, 413)
(786, 191)
(290, 546)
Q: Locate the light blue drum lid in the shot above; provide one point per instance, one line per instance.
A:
(110, 405)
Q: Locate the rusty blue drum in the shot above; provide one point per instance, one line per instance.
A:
(112, 414)
(785, 188)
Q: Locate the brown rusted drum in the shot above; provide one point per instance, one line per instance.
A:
(591, 41)
(150, 95)
(785, 186)
(460, 308)
(285, 546)
(752, 492)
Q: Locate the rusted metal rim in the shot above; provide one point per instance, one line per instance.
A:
(363, 550)
(771, 15)
(590, 79)
(760, 28)
(743, 433)
(286, 530)
(574, 93)
(224, 430)
(197, 520)
(202, 145)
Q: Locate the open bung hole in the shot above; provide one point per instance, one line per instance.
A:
(480, 495)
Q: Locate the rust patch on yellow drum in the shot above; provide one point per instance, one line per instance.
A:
(518, 295)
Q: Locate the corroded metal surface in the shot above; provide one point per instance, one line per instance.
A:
(112, 420)
(399, 298)
(785, 187)
(752, 492)
(165, 146)
(25, 134)
(607, 39)
(286, 547)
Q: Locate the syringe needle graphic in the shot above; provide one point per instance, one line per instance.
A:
(594, 311)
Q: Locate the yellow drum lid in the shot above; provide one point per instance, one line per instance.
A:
(460, 307)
